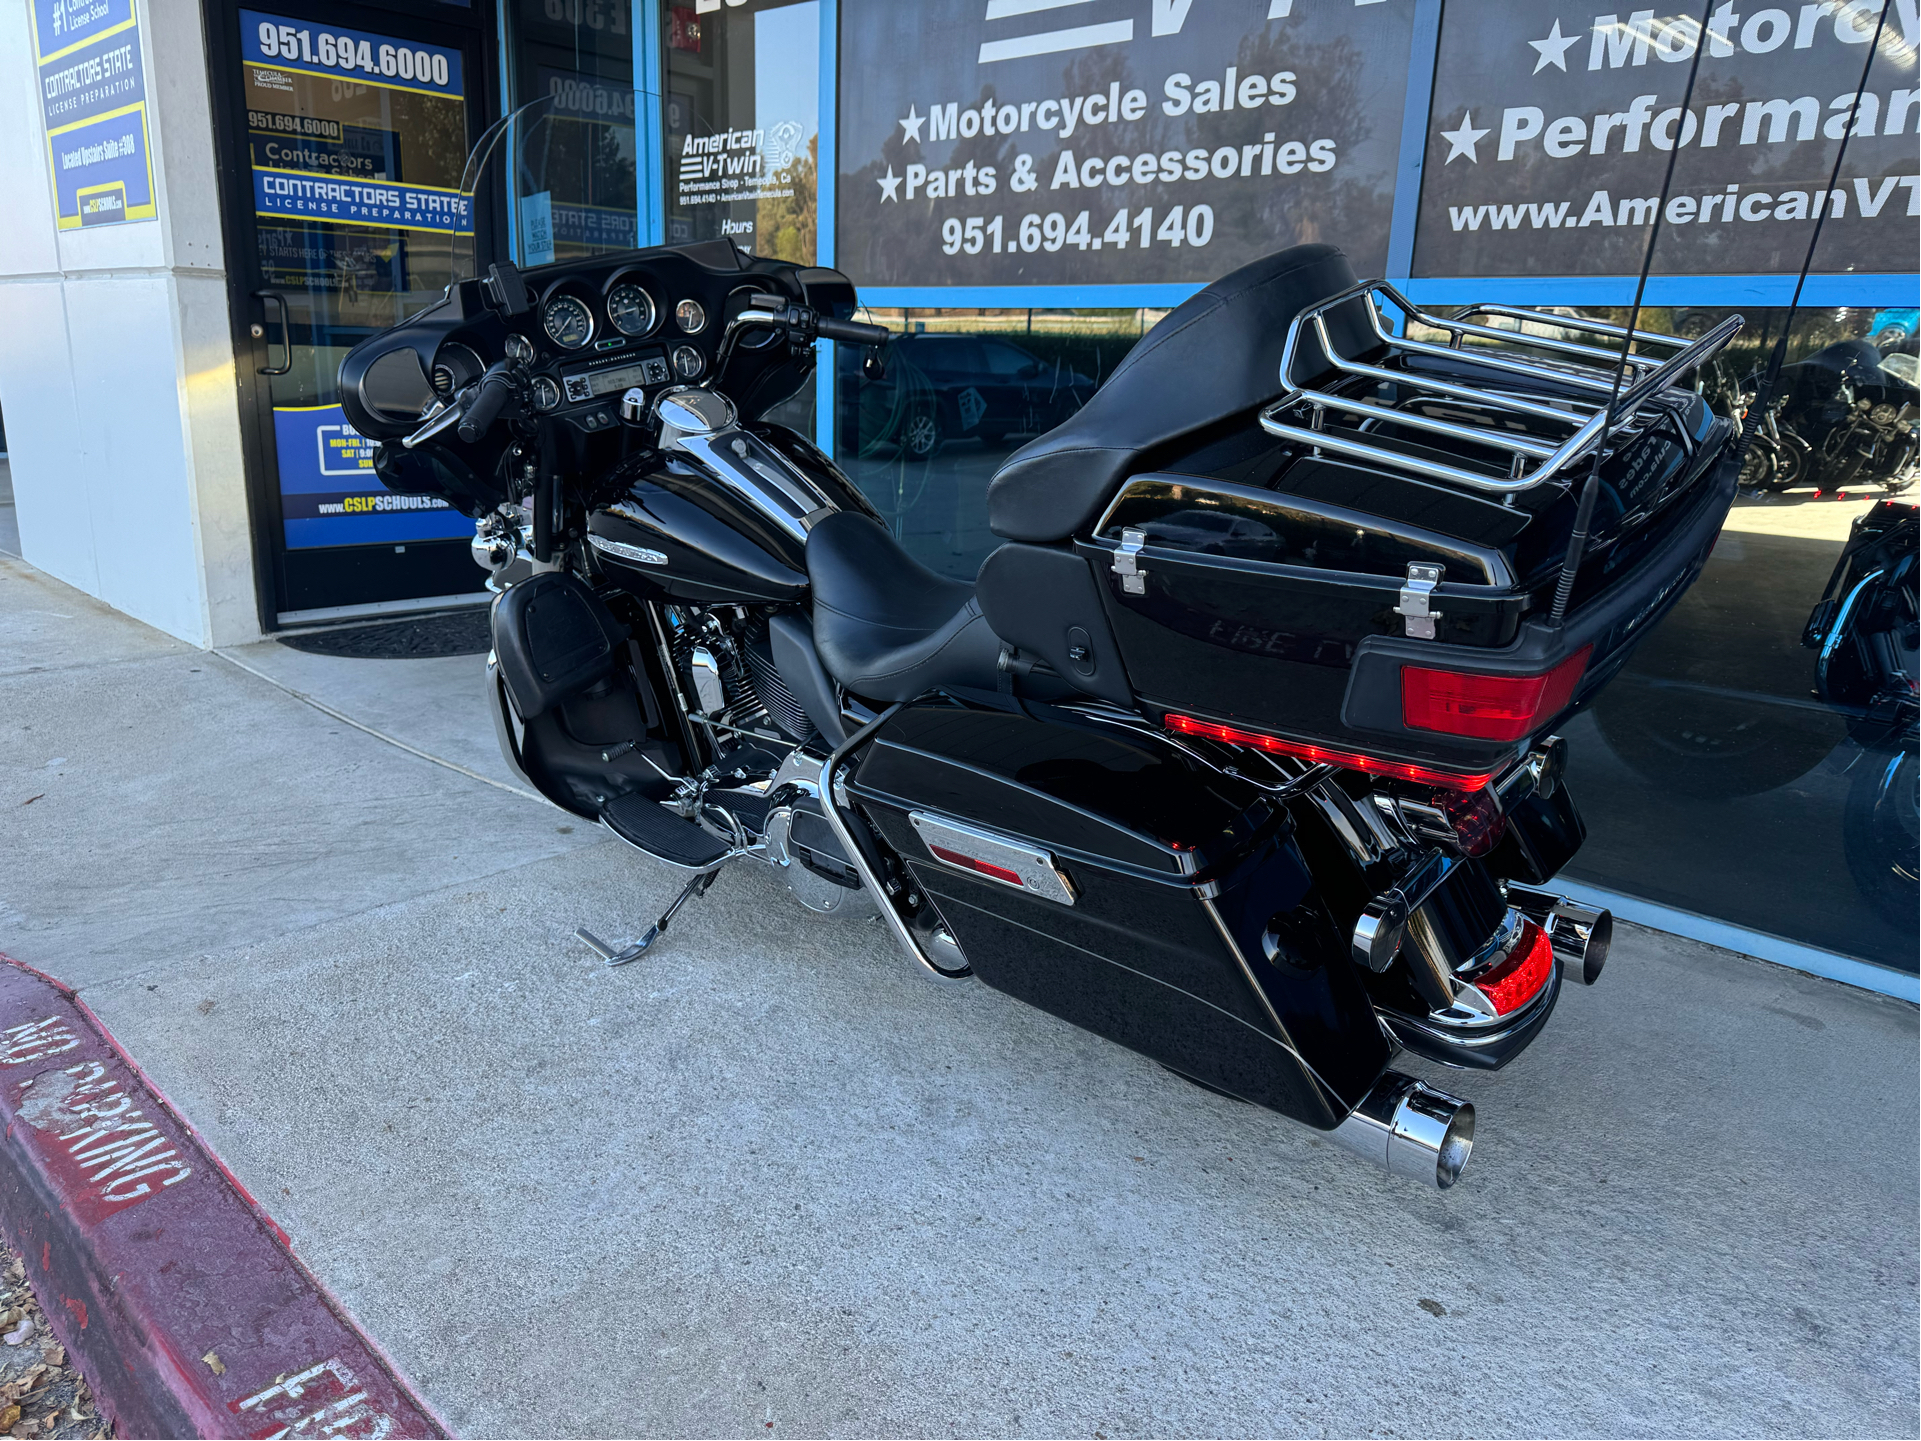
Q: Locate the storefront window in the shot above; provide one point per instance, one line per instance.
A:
(743, 124)
(963, 390)
(575, 162)
(1755, 761)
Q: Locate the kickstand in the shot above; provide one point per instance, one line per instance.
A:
(695, 887)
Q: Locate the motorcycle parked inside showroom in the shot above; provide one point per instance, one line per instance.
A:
(1856, 409)
(1865, 632)
(1240, 750)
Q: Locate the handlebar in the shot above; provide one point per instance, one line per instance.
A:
(496, 388)
(851, 331)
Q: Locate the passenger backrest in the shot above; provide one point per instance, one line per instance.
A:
(1215, 356)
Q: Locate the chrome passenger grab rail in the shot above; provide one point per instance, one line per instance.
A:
(1515, 386)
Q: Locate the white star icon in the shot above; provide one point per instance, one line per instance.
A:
(1463, 141)
(889, 186)
(1553, 50)
(910, 127)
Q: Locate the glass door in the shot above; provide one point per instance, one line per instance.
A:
(357, 123)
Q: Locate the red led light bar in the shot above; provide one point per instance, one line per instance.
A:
(974, 863)
(1520, 978)
(1325, 755)
(1487, 707)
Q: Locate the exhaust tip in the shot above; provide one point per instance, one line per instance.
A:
(1411, 1130)
(1581, 938)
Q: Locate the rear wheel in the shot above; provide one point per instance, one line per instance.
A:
(1881, 831)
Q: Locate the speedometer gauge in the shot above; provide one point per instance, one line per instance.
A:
(569, 323)
(631, 309)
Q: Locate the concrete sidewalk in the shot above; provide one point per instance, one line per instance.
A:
(767, 1180)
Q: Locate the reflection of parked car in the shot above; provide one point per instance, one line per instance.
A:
(1545, 331)
(946, 387)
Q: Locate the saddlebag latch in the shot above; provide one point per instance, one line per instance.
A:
(1417, 598)
(1127, 562)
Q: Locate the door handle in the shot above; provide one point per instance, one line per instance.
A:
(286, 332)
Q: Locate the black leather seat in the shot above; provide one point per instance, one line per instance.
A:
(1215, 357)
(886, 626)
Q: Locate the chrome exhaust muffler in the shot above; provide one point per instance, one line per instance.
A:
(1411, 1130)
(1580, 936)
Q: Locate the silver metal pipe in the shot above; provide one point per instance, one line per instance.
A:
(1579, 934)
(830, 808)
(1410, 1129)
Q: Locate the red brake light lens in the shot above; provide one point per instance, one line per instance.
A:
(1487, 707)
(1519, 978)
(1325, 755)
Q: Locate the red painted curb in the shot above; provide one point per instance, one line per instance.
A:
(176, 1294)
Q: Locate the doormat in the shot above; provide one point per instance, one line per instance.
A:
(461, 632)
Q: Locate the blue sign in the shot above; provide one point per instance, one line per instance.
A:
(93, 97)
(339, 52)
(329, 494)
(357, 202)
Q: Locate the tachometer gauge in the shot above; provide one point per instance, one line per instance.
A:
(569, 323)
(631, 309)
(546, 393)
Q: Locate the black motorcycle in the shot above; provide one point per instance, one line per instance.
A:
(1865, 632)
(1240, 749)
(1855, 408)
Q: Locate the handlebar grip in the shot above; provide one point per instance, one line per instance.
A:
(495, 390)
(852, 331)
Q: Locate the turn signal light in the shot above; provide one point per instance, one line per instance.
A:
(1488, 707)
(1325, 755)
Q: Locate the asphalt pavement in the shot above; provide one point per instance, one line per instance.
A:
(768, 1180)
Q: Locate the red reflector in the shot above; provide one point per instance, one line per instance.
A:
(1487, 707)
(986, 868)
(1324, 755)
(1520, 977)
(1476, 818)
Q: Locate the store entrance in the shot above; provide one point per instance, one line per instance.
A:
(346, 131)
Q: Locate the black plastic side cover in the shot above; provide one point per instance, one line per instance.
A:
(1045, 601)
(554, 638)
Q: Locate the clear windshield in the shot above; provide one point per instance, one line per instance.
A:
(565, 168)
(1902, 366)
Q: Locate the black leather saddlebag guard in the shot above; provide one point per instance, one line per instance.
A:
(553, 638)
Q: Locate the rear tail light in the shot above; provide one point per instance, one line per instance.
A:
(1519, 978)
(1488, 707)
(1476, 818)
(1324, 755)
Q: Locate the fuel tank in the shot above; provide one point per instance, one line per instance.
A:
(676, 535)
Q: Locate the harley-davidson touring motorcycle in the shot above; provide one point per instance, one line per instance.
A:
(1239, 751)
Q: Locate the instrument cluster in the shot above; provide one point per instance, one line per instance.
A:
(585, 316)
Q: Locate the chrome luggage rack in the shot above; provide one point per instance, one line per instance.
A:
(1515, 362)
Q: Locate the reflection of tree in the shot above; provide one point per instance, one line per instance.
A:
(784, 227)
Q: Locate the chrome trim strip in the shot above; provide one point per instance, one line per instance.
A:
(1040, 874)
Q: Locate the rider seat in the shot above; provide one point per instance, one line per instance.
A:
(886, 626)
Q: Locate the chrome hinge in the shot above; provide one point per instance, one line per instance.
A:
(1127, 562)
(1417, 597)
